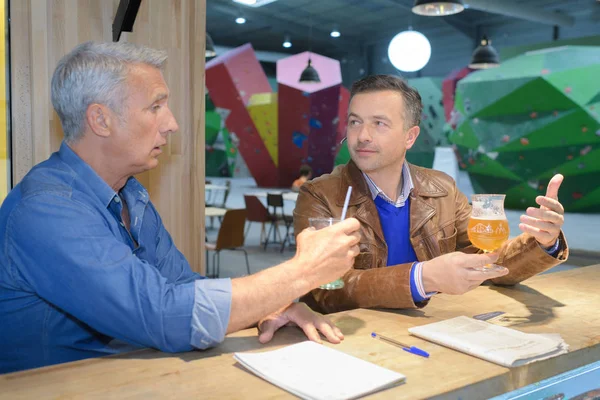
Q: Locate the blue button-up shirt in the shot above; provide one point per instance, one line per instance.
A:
(75, 284)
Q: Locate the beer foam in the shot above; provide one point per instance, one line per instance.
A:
(490, 218)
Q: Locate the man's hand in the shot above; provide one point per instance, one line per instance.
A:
(545, 223)
(328, 253)
(455, 273)
(299, 314)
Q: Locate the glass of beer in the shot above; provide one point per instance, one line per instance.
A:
(320, 223)
(488, 227)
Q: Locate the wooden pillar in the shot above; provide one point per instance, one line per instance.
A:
(42, 31)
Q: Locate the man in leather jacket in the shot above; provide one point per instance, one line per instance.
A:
(414, 240)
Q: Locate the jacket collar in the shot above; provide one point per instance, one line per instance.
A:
(424, 185)
(421, 211)
(352, 176)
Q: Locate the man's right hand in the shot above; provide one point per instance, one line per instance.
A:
(455, 273)
(327, 254)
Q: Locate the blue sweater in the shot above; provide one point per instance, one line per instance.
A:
(395, 223)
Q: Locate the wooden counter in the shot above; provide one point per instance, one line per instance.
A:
(564, 302)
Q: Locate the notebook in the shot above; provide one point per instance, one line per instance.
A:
(313, 371)
(498, 344)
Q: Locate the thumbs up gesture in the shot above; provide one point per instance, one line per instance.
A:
(545, 223)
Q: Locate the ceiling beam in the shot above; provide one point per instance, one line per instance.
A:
(521, 10)
(429, 30)
(461, 27)
(467, 30)
(295, 29)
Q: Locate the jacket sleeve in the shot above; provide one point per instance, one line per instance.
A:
(522, 255)
(524, 258)
(374, 287)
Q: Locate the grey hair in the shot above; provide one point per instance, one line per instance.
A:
(96, 73)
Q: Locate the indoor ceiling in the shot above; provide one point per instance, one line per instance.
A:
(361, 22)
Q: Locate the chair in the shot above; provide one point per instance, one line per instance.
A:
(276, 211)
(230, 237)
(257, 212)
(225, 194)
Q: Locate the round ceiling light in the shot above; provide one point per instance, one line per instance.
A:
(409, 51)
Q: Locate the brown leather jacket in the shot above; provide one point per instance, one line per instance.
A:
(439, 214)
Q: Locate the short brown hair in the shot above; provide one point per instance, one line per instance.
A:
(412, 99)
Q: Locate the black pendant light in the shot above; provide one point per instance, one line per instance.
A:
(210, 47)
(484, 56)
(310, 74)
(437, 8)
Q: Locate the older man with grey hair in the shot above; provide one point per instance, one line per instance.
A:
(87, 267)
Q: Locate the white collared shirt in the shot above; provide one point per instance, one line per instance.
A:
(407, 187)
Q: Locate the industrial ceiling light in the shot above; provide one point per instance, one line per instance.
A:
(254, 3)
(210, 47)
(409, 51)
(286, 42)
(335, 33)
(484, 56)
(436, 8)
(310, 74)
(240, 20)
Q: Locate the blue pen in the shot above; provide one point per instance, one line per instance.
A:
(405, 347)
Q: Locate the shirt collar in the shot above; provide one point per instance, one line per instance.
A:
(407, 187)
(132, 189)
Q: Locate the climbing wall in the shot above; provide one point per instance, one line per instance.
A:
(432, 122)
(232, 79)
(220, 153)
(449, 89)
(342, 155)
(308, 115)
(532, 117)
(344, 102)
(263, 111)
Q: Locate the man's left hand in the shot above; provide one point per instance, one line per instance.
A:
(299, 314)
(545, 223)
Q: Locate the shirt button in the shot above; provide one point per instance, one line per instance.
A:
(117, 199)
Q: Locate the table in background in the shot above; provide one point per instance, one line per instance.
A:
(212, 193)
(211, 186)
(288, 196)
(214, 211)
(563, 302)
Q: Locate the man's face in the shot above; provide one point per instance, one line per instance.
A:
(145, 121)
(376, 134)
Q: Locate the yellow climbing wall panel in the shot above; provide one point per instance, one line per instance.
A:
(263, 111)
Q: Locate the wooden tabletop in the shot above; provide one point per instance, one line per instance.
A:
(564, 302)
